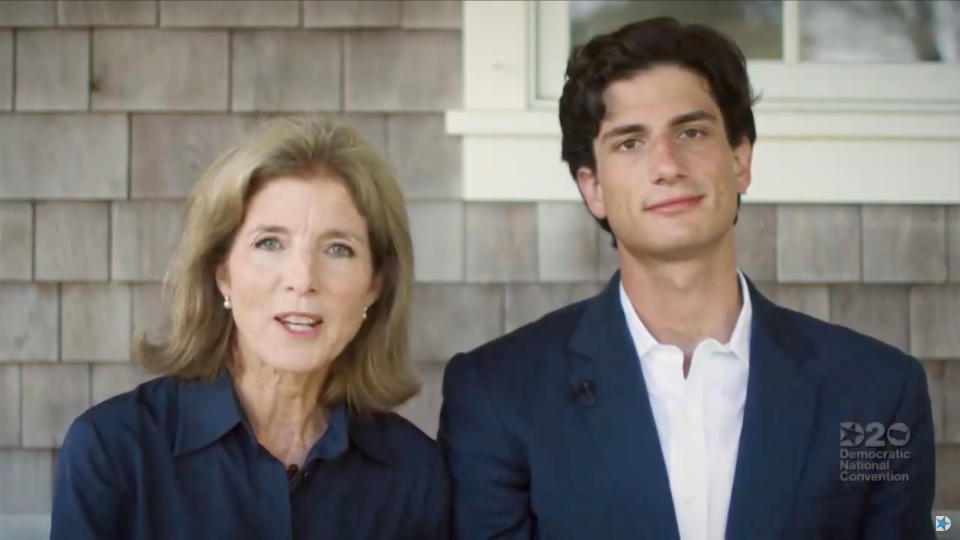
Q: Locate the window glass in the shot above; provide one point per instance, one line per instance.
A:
(755, 25)
(880, 31)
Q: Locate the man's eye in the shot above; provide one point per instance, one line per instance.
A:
(629, 144)
(268, 244)
(340, 250)
(692, 133)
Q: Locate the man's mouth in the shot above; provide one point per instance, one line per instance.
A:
(676, 204)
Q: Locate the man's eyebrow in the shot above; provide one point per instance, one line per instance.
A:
(692, 117)
(623, 130)
(686, 118)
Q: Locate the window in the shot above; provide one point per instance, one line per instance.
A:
(853, 31)
(880, 31)
(756, 25)
(860, 55)
(860, 99)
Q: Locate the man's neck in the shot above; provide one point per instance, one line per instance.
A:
(685, 302)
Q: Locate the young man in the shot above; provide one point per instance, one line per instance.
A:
(679, 402)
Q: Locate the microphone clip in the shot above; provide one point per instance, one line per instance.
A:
(583, 392)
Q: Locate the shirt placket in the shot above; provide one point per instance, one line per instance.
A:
(277, 488)
(689, 459)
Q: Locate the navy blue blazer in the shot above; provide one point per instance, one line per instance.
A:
(549, 433)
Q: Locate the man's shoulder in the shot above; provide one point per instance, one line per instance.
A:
(839, 350)
(543, 339)
(526, 353)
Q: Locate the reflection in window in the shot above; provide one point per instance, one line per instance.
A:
(880, 31)
(754, 24)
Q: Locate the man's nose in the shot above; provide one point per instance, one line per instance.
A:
(665, 160)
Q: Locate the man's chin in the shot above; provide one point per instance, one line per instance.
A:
(675, 249)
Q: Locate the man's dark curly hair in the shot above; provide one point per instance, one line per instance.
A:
(619, 55)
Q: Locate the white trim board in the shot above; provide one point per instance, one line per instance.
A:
(799, 157)
(495, 54)
(787, 123)
(785, 170)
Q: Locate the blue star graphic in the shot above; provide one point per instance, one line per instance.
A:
(943, 522)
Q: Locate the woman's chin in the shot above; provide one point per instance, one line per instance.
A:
(294, 363)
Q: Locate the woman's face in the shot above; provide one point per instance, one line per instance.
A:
(299, 274)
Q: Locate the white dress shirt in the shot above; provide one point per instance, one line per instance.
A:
(698, 418)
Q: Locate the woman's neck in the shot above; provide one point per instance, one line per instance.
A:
(283, 408)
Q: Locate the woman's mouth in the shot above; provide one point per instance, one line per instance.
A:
(300, 325)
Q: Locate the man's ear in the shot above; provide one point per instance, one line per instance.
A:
(742, 164)
(591, 191)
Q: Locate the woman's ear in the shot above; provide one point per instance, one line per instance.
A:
(376, 288)
(222, 277)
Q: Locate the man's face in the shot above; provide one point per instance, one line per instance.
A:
(667, 178)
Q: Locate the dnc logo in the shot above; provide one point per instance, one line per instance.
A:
(943, 523)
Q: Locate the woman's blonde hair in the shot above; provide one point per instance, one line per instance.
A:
(372, 373)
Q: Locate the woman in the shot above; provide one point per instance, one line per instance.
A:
(287, 350)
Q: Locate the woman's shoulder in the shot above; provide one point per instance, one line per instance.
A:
(99, 457)
(147, 397)
(124, 416)
(394, 438)
(406, 432)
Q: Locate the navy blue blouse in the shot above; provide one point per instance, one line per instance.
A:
(177, 459)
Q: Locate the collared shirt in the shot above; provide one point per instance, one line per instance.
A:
(698, 418)
(176, 459)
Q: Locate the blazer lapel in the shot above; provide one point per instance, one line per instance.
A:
(777, 423)
(606, 381)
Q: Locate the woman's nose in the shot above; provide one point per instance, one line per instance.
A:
(301, 272)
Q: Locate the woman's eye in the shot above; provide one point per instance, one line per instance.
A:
(340, 250)
(268, 244)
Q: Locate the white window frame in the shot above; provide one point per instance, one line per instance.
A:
(785, 84)
(827, 133)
